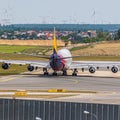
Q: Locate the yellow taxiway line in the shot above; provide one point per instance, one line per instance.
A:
(9, 79)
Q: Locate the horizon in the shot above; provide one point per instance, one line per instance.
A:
(60, 24)
(66, 27)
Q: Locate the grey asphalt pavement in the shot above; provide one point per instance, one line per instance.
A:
(107, 88)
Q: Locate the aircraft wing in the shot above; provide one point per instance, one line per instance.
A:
(42, 64)
(95, 64)
(87, 64)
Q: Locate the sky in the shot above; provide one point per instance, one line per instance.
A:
(60, 11)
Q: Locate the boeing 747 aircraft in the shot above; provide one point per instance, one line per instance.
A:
(61, 60)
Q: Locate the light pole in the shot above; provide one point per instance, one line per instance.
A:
(38, 118)
(92, 114)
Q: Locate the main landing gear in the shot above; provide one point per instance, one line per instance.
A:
(64, 73)
(45, 71)
(74, 72)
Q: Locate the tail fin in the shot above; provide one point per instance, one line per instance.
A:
(55, 43)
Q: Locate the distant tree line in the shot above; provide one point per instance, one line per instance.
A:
(101, 36)
(67, 27)
(74, 37)
(117, 35)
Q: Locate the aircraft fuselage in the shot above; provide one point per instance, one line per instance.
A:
(59, 60)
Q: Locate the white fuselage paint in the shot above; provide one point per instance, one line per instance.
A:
(65, 53)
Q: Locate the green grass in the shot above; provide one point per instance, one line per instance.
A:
(80, 47)
(13, 56)
(37, 50)
(24, 49)
(13, 48)
(14, 69)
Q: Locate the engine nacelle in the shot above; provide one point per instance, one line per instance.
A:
(92, 69)
(5, 66)
(114, 69)
(30, 68)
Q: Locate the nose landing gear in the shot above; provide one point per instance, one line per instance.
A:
(64, 73)
(54, 73)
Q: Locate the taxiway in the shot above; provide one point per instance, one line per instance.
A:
(40, 82)
(106, 88)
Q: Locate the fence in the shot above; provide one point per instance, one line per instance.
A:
(14, 109)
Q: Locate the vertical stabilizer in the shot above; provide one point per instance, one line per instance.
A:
(55, 43)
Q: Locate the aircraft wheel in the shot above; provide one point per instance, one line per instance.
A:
(74, 74)
(54, 74)
(64, 73)
(45, 73)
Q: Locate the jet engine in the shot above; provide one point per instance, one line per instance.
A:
(30, 68)
(114, 69)
(92, 70)
(5, 66)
